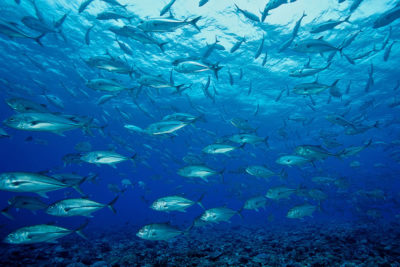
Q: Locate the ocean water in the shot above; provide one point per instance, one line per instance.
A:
(261, 134)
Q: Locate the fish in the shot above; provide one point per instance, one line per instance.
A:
(260, 48)
(167, 7)
(387, 51)
(203, 2)
(387, 17)
(313, 152)
(78, 207)
(174, 203)
(138, 35)
(313, 88)
(219, 148)
(220, 214)
(255, 203)
(24, 202)
(24, 105)
(249, 139)
(308, 71)
(292, 160)
(247, 14)
(280, 192)
(297, 25)
(47, 122)
(301, 211)
(33, 182)
(110, 64)
(12, 30)
(84, 4)
(263, 172)
(105, 157)
(191, 66)
(237, 45)
(272, 4)
(167, 24)
(164, 127)
(106, 85)
(87, 34)
(353, 150)
(315, 46)
(328, 25)
(107, 15)
(158, 231)
(114, 3)
(198, 171)
(357, 129)
(183, 117)
(157, 82)
(339, 120)
(41, 233)
(3, 133)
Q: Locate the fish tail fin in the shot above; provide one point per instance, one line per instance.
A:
(239, 212)
(6, 213)
(216, 68)
(178, 88)
(194, 21)
(132, 158)
(111, 204)
(347, 19)
(80, 228)
(368, 143)
(37, 39)
(319, 207)
(199, 201)
(162, 46)
(335, 83)
(221, 172)
(266, 141)
(283, 174)
(77, 185)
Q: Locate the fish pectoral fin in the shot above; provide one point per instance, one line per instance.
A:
(42, 194)
(60, 133)
(113, 165)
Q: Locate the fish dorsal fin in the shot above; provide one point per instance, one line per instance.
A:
(321, 38)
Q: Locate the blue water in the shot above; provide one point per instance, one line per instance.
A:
(366, 187)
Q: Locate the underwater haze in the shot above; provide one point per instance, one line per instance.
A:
(199, 133)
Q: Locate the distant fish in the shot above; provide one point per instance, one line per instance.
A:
(260, 48)
(167, 24)
(237, 45)
(191, 66)
(105, 157)
(328, 25)
(84, 5)
(247, 14)
(255, 203)
(167, 7)
(198, 171)
(11, 30)
(315, 46)
(387, 17)
(301, 211)
(292, 160)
